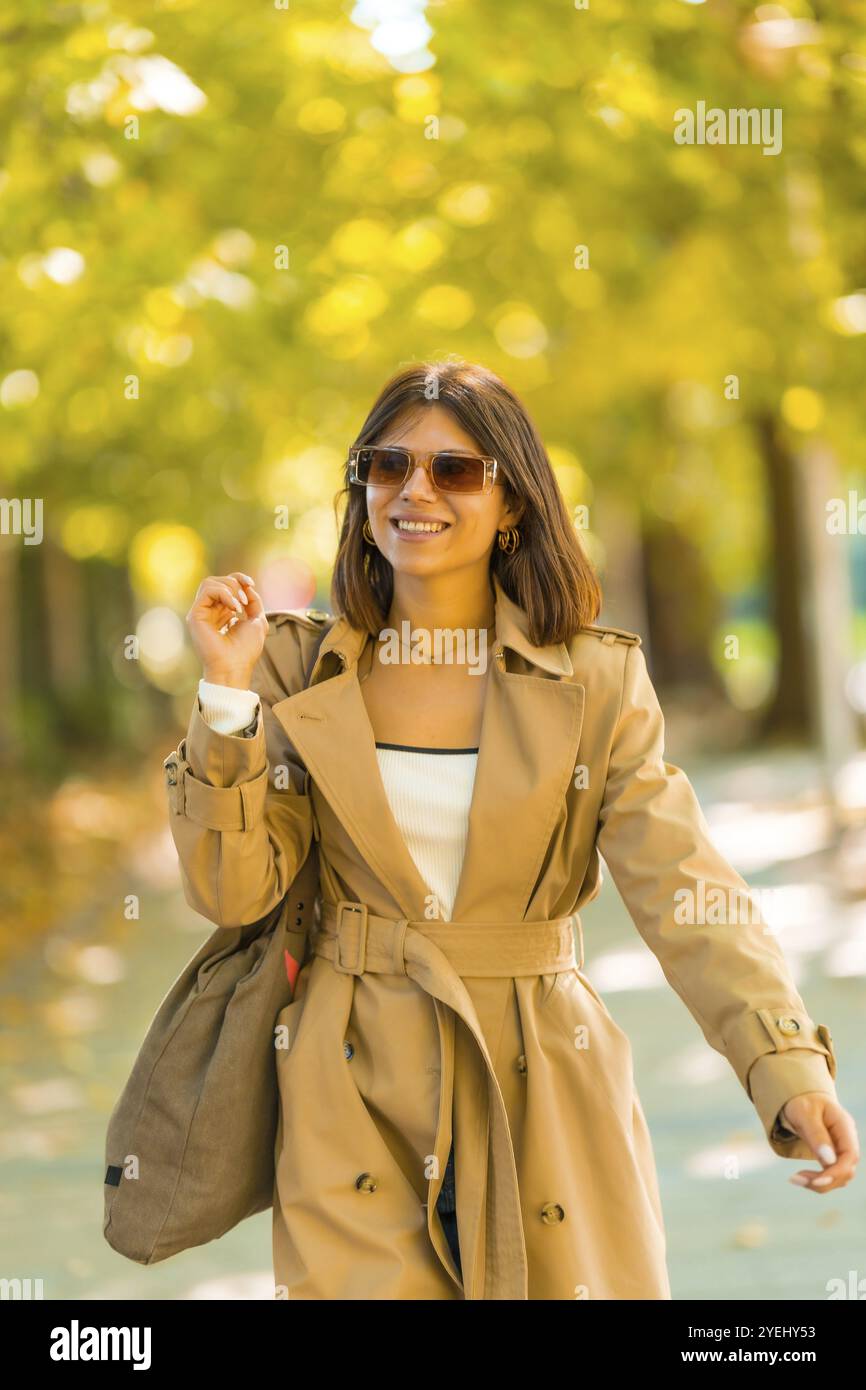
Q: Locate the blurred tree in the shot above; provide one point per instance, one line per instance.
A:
(224, 226)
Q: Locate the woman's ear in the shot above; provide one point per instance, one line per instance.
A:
(512, 513)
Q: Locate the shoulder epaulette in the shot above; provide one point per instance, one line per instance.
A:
(307, 617)
(608, 635)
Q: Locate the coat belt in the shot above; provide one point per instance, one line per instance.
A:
(438, 956)
(355, 940)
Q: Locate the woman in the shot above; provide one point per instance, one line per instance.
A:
(458, 1113)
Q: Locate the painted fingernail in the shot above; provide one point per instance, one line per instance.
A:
(799, 1180)
(244, 599)
(822, 1181)
(826, 1154)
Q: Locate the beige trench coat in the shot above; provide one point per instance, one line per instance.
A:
(405, 1031)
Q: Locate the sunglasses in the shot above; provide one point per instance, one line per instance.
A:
(449, 471)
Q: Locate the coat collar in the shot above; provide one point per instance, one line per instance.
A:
(530, 733)
(511, 631)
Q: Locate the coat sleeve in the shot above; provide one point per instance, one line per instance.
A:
(725, 966)
(239, 812)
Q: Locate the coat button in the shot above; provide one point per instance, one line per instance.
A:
(551, 1213)
(365, 1182)
(348, 1051)
(521, 1064)
(788, 1025)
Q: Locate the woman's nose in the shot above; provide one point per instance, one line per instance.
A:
(419, 481)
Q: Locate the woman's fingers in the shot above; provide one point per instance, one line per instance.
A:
(255, 607)
(230, 591)
(215, 591)
(247, 593)
(842, 1133)
(832, 1137)
(235, 582)
(242, 581)
(244, 578)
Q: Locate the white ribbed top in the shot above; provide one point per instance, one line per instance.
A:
(430, 792)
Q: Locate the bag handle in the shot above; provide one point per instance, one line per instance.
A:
(300, 935)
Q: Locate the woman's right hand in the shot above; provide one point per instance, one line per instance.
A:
(228, 656)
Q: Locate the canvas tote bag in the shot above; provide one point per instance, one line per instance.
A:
(189, 1148)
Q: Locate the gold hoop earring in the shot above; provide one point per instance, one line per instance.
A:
(368, 532)
(509, 540)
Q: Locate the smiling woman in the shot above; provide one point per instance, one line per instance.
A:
(449, 464)
(455, 1086)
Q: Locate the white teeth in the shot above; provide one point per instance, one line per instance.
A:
(420, 526)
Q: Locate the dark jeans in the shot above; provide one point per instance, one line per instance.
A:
(446, 1205)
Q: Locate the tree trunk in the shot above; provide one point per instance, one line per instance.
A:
(682, 607)
(788, 715)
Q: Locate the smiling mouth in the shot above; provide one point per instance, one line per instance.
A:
(419, 528)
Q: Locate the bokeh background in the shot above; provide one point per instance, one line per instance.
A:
(222, 227)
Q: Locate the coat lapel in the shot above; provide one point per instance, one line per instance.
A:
(526, 757)
(530, 734)
(329, 726)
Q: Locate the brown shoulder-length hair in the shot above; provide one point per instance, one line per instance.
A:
(548, 575)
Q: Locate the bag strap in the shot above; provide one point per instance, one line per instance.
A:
(300, 937)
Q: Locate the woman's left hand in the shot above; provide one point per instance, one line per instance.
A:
(830, 1133)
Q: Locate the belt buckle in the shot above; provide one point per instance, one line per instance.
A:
(175, 766)
(346, 905)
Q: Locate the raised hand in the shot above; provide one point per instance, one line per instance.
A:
(227, 626)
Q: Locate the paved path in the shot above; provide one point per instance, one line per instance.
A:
(90, 991)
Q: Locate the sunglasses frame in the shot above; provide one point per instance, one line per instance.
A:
(413, 458)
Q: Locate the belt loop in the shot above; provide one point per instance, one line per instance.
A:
(399, 939)
(346, 905)
(580, 939)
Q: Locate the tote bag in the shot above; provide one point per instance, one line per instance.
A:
(189, 1148)
(190, 1143)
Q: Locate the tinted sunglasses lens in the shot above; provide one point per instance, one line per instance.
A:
(381, 467)
(456, 473)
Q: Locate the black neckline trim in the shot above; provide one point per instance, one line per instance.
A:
(413, 748)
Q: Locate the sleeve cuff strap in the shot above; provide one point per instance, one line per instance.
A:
(775, 1030)
(216, 808)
